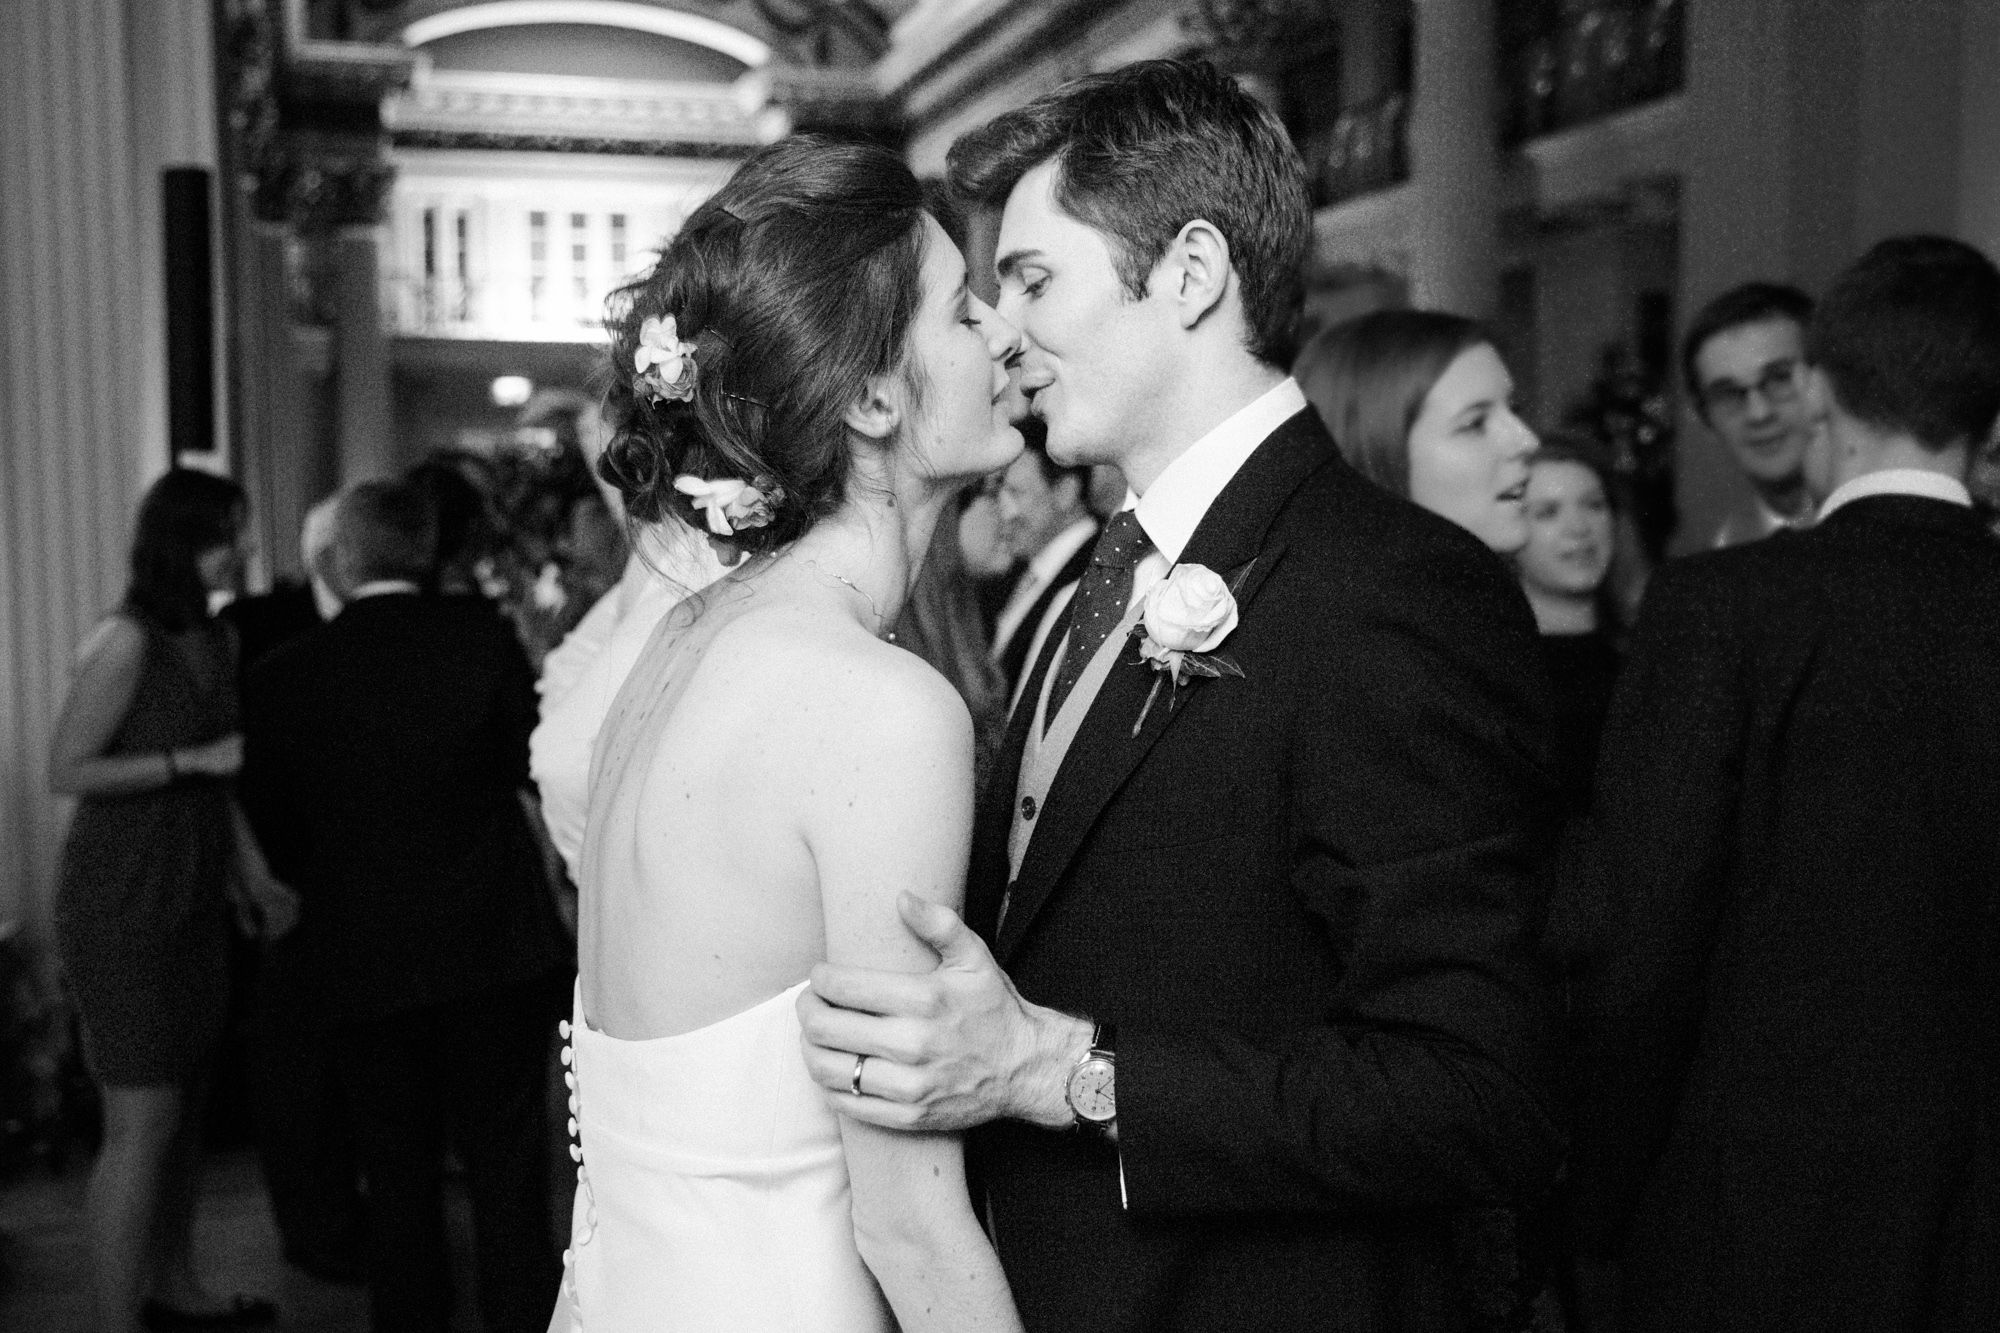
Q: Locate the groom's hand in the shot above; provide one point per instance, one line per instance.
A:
(947, 1049)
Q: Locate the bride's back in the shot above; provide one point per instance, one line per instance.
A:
(700, 895)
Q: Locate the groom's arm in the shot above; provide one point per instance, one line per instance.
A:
(1422, 802)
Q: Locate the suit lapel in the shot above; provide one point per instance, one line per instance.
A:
(1231, 539)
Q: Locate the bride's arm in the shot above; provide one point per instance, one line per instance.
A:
(895, 813)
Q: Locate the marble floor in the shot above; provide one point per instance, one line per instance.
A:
(44, 1269)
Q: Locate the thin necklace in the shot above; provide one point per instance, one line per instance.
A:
(881, 620)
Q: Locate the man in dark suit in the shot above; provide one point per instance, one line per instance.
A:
(383, 753)
(1270, 1030)
(1046, 523)
(1790, 999)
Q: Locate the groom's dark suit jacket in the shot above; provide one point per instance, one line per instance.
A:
(1303, 898)
(1789, 1111)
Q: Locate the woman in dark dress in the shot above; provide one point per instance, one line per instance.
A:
(155, 860)
(1563, 571)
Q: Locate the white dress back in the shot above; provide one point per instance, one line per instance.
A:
(712, 1192)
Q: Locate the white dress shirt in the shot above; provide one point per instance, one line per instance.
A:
(1179, 498)
(1899, 481)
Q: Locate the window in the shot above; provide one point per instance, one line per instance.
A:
(618, 247)
(538, 263)
(579, 263)
(462, 264)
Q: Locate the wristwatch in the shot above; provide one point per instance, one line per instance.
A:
(1092, 1090)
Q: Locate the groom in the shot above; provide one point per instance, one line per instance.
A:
(1268, 1029)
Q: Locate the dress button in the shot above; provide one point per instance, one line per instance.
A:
(567, 1055)
(569, 1081)
(572, 1103)
(563, 1028)
(572, 1126)
(575, 1153)
(1028, 808)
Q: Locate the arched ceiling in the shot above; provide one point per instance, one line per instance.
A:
(583, 50)
(827, 34)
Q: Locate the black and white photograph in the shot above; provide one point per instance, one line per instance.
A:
(1000, 666)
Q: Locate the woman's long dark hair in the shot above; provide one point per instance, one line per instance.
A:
(184, 514)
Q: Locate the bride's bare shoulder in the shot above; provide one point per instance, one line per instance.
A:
(811, 673)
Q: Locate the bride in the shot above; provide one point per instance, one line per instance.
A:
(805, 377)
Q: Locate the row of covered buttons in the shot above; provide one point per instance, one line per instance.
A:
(588, 1227)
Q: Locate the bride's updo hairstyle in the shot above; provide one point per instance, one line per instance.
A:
(793, 285)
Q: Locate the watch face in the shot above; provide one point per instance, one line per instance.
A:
(1092, 1094)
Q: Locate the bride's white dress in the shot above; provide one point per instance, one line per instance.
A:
(712, 1191)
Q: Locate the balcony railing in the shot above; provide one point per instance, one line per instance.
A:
(1567, 62)
(1363, 152)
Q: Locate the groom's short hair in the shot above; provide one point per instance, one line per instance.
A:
(1142, 151)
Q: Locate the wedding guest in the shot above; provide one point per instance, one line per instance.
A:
(1743, 362)
(1563, 569)
(464, 518)
(989, 563)
(304, 1142)
(148, 741)
(1422, 405)
(1046, 522)
(383, 759)
(1790, 1072)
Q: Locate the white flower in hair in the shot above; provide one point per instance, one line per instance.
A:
(665, 364)
(731, 504)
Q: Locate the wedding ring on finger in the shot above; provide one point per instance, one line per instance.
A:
(854, 1084)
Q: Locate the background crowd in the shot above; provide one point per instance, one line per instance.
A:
(379, 778)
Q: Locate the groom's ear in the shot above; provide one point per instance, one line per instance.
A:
(1196, 271)
(877, 410)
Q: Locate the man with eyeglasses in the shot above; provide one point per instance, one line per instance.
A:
(1743, 361)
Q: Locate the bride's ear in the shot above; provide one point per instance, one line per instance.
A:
(877, 411)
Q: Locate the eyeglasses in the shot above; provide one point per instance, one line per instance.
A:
(1779, 384)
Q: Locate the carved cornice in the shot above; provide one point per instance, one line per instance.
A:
(464, 102)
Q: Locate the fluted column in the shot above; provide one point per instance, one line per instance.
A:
(81, 385)
(1454, 159)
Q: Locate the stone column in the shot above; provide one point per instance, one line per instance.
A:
(1454, 159)
(82, 385)
(366, 445)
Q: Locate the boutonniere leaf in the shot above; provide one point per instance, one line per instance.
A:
(1187, 616)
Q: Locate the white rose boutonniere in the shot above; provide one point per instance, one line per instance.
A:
(1187, 616)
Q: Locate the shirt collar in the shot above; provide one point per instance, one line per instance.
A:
(1048, 561)
(1173, 506)
(1899, 481)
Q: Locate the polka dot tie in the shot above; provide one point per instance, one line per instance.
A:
(1103, 595)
